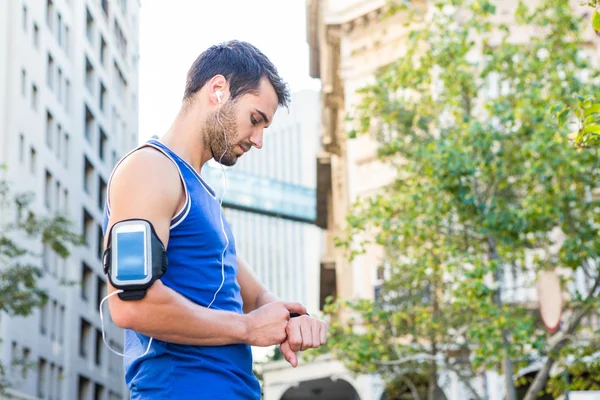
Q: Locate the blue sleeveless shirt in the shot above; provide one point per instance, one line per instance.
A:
(196, 243)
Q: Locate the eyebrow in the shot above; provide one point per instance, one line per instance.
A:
(263, 115)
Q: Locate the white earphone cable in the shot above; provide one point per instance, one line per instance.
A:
(221, 208)
(102, 327)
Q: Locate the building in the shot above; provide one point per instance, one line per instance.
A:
(68, 109)
(270, 203)
(349, 42)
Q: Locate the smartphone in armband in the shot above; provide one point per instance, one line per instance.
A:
(135, 258)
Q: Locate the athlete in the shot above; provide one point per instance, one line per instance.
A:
(190, 336)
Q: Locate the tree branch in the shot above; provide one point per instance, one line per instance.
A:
(404, 360)
(558, 341)
(464, 380)
(411, 386)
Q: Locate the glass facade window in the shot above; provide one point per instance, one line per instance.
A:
(264, 195)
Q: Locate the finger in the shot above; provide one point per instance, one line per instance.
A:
(316, 333)
(294, 335)
(295, 307)
(323, 333)
(288, 353)
(305, 330)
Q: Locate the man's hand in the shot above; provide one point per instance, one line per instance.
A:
(266, 325)
(303, 333)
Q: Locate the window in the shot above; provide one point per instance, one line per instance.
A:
(32, 160)
(50, 72)
(101, 194)
(41, 383)
(24, 16)
(53, 320)
(105, 8)
(23, 82)
(66, 40)
(88, 175)
(102, 96)
(57, 194)
(21, 148)
(98, 348)
(100, 291)
(66, 151)
(83, 388)
(36, 36)
(89, 30)
(59, 379)
(50, 14)
(44, 319)
(120, 39)
(99, 243)
(52, 380)
(13, 356)
(48, 190)
(59, 134)
(120, 82)
(84, 338)
(89, 124)
(102, 144)
(49, 133)
(89, 75)
(86, 281)
(98, 392)
(34, 97)
(60, 85)
(45, 257)
(67, 94)
(59, 30)
(88, 222)
(103, 50)
(66, 200)
(25, 361)
(61, 324)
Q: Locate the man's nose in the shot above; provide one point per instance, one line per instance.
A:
(257, 139)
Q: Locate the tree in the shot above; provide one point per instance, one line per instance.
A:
(484, 176)
(20, 293)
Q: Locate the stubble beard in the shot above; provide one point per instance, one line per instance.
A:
(221, 129)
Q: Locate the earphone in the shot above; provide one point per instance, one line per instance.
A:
(219, 93)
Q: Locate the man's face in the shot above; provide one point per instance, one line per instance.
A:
(236, 126)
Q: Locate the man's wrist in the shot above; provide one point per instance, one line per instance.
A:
(242, 328)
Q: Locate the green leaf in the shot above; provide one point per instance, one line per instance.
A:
(562, 117)
(595, 108)
(596, 21)
(592, 128)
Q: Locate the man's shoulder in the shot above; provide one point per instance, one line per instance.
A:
(146, 173)
(147, 164)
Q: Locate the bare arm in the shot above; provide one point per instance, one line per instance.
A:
(254, 293)
(147, 185)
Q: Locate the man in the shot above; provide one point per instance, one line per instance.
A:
(208, 308)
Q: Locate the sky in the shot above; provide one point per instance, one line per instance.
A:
(173, 33)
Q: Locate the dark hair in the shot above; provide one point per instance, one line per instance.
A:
(242, 64)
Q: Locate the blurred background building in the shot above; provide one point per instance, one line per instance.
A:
(349, 43)
(69, 111)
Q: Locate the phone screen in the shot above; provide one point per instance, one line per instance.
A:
(130, 256)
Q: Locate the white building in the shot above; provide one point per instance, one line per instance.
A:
(68, 111)
(270, 203)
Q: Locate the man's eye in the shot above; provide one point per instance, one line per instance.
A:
(253, 120)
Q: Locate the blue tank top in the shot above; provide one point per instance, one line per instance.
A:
(196, 242)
